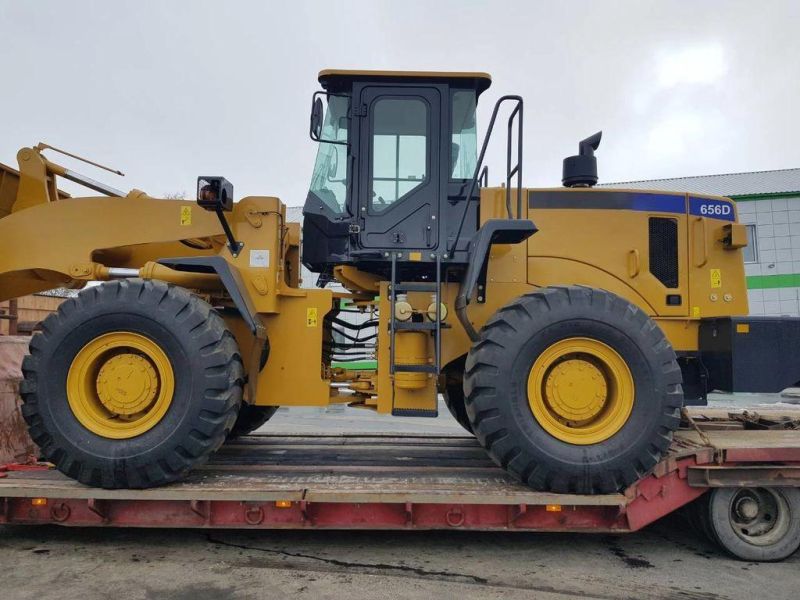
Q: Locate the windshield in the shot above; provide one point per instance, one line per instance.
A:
(329, 181)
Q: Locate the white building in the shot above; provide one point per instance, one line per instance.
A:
(294, 214)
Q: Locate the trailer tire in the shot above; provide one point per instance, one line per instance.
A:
(520, 398)
(695, 513)
(770, 533)
(183, 373)
(251, 418)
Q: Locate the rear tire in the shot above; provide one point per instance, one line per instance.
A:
(453, 394)
(572, 456)
(191, 364)
(251, 418)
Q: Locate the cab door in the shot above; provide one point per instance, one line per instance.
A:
(399, 181)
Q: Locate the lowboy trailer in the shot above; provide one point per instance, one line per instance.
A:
(740, 487)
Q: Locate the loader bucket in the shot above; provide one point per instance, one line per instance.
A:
(9, 183)
(9, 186)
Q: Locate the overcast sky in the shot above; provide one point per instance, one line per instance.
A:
(166, 91)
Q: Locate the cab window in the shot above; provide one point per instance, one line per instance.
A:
(464, 143)
(400, 131)
(329, 180)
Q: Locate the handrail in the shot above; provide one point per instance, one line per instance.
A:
(510, 173)
(517, 170)
(484, 176)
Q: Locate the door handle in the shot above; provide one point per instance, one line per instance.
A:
(700, 242)
(634, 263)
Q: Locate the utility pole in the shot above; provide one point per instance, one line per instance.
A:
(12, 317)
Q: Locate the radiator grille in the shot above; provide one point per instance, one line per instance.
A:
(664, 250)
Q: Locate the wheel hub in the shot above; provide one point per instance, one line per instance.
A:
(747, 509)
(120, 385)
(760, 516)
(127, 384)
(580, 391)
(576, 390)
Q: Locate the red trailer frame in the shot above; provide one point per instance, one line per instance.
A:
(397, 482)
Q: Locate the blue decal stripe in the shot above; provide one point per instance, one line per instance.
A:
(659, 203)
(610, 200)
(615, 200)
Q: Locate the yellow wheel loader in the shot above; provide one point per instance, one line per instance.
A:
(565, 327)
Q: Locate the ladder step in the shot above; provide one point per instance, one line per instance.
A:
(415, 286)
(415, 369)
(414, 412)
(411, 326)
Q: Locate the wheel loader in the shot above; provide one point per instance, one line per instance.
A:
(565, 327)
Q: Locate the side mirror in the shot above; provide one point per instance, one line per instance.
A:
(215, 193)
(317, 117)
(337, 122)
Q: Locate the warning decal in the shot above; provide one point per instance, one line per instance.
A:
(186, 215)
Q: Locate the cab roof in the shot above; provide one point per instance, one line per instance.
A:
(332, 79)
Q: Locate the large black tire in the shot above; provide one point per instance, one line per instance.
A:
(496, 378)
(454, 400)
(453, 394)
(770, 534)
(208, 377)
(694, 514)
(251, 418)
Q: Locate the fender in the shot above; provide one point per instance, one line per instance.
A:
(493, 231)
(230, 279)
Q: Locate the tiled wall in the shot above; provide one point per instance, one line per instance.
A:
(778, 236)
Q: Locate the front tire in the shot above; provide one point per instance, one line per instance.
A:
(573, 390)
(131, 384)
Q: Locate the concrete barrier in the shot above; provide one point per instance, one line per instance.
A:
(15, 445)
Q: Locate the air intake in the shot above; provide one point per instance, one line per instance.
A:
(581, 170)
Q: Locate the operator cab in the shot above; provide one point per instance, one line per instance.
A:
(397, 155)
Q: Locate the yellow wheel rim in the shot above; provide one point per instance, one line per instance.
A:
(580, 391)
(120, 385)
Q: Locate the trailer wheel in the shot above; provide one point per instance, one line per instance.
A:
(573, 389)
(251, 418)
(755, 524)
(131, 384)
(453, 394)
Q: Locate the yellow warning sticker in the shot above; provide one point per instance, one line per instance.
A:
(695, 311)
(186, 215)
(743, 328)
(716, 278)
(311, 317)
